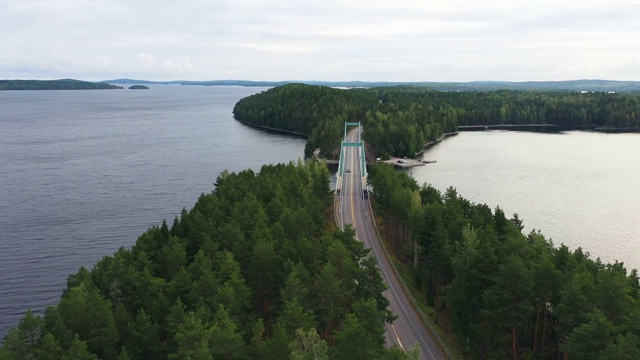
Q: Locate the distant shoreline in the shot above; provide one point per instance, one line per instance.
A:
(583, 86)
(548, 128)
(436, 141)
(524, 127)
(274, 130)
(594, 85)
(618, 130)
(64, 84)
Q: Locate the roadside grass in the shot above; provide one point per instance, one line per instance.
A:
(406, 274)
(330, 216)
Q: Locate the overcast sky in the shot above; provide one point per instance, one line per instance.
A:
(389, 40)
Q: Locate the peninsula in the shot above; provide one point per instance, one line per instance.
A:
(63, 84)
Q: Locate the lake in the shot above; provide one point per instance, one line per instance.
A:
(86, 172)
(579, 188)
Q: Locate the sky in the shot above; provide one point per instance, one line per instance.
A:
(329, 40)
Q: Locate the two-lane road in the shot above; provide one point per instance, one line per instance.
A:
(407, 330)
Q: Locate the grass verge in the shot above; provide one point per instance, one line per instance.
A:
(406, 273)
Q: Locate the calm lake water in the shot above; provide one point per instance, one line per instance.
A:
(86, 172)
(83, 173)
(578, 188)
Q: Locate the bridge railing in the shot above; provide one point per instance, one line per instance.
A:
(363, 160)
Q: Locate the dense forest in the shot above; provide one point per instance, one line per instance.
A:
(399, 121)
(501, 293)
(64, 84)
(255, 270)
(318, 111)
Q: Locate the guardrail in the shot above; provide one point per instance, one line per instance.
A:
(406, 288)
(336, 210)
(338, 218)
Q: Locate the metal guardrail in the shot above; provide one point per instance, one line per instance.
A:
(338, 216)
(406, 288)
(337, 211)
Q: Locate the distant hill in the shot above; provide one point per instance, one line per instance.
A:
(571, 85)
(198, 82)
(63, 84)
(133, 82)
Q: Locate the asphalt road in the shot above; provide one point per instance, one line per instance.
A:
(407, 330)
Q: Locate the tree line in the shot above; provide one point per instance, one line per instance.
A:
(400, 120)
(254, 270)
(501, 293)
(317, 111)
(64, 84)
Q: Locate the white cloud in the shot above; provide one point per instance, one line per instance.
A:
(280, 48)
(400, 40)
(145, 60)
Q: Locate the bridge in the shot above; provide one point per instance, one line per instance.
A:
(352, 139)
(411, 328)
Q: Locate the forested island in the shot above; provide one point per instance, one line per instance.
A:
(64, 84)
(138, 87)
(255, 270)
(399, 121)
